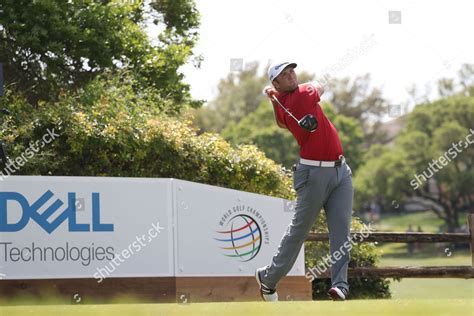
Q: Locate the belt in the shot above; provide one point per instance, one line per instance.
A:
(319, 163)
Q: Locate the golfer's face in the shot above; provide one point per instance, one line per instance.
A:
(286, 80)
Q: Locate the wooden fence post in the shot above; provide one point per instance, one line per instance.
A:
(470, 220)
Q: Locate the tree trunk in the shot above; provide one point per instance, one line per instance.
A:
(450, 219)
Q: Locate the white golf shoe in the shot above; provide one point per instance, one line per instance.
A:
(338, 293)
(267, 294)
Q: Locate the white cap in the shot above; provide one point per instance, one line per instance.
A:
(275, 69)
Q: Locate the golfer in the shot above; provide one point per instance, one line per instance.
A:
(322, 179)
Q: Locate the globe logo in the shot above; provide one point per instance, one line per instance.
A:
(243, 238)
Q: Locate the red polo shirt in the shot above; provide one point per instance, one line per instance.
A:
(322, 144)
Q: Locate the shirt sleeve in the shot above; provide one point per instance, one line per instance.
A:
(318, 98)
(314, 90)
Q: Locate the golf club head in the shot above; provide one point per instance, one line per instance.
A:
(309, 123)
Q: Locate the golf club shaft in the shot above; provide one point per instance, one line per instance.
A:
(274, 98)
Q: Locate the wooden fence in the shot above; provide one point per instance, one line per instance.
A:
(465, 272)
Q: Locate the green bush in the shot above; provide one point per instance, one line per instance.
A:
(108, 130)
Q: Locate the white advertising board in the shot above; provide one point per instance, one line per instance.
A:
(84, 227)
(100, 227)
(222, 232)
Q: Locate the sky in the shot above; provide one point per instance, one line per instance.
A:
(399, 43)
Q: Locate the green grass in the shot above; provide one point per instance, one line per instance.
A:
(395, 254)
(428, 221)
(407, 307)
(433, 289)
(441, 288)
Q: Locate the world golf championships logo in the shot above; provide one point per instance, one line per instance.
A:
(243, 235)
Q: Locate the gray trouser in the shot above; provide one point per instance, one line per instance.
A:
(316, 187)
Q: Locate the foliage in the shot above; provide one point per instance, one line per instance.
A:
(350, 134)
(239, 94)
(259, 128)
(52, 46)
(355, 98)
(108, 131)
(433, 130)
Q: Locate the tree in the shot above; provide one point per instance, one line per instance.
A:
(445, 87)
(355, 98)
(414, 169)
(49, 46)
(259, 128)
(463, 85)
(466, 79)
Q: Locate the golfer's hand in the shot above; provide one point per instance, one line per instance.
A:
(269, 91)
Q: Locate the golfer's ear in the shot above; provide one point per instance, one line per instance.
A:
(276, 84)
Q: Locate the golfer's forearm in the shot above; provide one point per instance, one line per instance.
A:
(279, 124)
(276, 117)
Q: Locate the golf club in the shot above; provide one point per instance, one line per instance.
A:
(308, 122)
